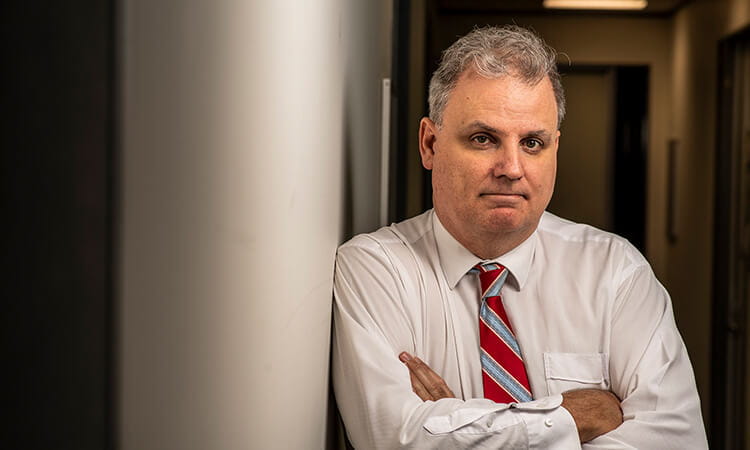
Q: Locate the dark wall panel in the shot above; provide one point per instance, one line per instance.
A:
(57, 91)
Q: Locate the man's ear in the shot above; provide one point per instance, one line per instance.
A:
(427, 138)
(557, 140)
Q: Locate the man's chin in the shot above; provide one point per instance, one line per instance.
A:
(509, 220)
(503, 224)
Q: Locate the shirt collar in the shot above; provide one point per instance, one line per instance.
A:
(456, 260)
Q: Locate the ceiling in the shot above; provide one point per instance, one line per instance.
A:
(660, 7)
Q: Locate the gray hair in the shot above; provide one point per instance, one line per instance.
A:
(493, 52)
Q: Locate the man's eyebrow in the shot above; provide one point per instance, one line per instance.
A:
(544, 135)
(479, 125)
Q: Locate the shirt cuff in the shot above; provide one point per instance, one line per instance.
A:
(549, 428)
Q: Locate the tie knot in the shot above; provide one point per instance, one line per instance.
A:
(492, 277)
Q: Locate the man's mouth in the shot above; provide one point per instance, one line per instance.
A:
(501, 195)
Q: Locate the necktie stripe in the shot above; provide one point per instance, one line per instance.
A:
(493, 290)
(500, 352)
(504, 379)
(490, 266)
(498, 326)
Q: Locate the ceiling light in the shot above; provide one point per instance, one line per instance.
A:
(595, 4)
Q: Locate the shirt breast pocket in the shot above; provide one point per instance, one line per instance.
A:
(568, 371)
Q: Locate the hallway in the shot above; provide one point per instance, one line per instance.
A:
(166, 162)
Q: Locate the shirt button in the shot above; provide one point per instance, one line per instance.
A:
(489, 423)
(548, 423)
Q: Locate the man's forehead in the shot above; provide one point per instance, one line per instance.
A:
(477, 105)
(471, 72)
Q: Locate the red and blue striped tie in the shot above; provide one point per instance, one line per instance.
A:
(503, 372)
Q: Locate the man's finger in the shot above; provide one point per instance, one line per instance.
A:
(419, 388)
(431, 381)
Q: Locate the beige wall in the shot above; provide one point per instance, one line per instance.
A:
(584, 181)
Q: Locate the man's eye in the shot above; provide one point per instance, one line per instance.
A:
(533, 144)
(481, 139)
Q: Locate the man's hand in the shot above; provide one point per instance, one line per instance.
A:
(595, 411)
(424, 381)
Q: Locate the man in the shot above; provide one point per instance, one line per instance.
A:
(488, 322)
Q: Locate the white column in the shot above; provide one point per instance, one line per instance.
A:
(230, 215)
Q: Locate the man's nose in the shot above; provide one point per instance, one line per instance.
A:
(508, 163)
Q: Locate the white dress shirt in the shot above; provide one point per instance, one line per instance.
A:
(586, 309)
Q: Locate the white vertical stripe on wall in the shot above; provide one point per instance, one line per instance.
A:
(230, 215)
(367, 32)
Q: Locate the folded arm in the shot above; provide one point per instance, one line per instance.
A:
(594, 411)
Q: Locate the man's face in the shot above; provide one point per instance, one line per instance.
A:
(493, 159)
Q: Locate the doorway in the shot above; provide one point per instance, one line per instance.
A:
(601, 176)
(732, 248)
